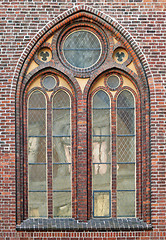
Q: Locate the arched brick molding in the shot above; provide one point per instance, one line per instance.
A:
(141, 80)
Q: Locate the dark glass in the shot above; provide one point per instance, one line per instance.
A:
(49, 82)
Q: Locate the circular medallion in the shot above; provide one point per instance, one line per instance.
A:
(113, 82)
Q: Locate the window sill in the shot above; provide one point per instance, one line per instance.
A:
(112, 224)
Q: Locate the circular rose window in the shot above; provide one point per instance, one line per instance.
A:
(82, 49)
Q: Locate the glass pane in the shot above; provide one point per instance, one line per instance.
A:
(61, 149)
(37, 177)
(113, 81)
(37, 203)
(101, 176)
(125, 99)
(37, 100)
(101, 151)
(101, 122)
(62, 176)
(101, 204)
(61, 122)
(61, 100)
(126, 176)
(49, 82)
(125, 121)
(62, 204)
(101, 100)
(82, 49)
(125, 149)
(36, 122)
(126, 204)
(36, 149)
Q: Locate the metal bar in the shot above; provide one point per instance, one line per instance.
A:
(126, 162)
(125, 190)
(125, 135)
(36, 136)
(100, 108)
(61, 108)
(37, 191)
(125, 108)
(61, 190)
(102, 163)
(101, 135)
(37, 163)
(61, 136)
(81, 49)
(36, 108)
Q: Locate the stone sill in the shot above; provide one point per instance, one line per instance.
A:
(70, 224)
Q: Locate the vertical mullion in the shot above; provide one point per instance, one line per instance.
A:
(49, 159)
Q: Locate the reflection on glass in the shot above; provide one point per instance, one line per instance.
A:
(101, 121)
(62, 204)
(36, 122)
(36, 149)
(101, 100)
(37, 177)
(101, 176)
(61, 150)
(62, 177)
(126, 204)
(61, 122)
(37, 204)
(126, 176)
(101, 204)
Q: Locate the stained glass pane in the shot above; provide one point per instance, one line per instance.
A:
(61, 149)
(126, 204)
(101, 204)
(62, 176)
(37, 177)
(37, 100)
(36, 122)
(101, 100)
(125, 149)
(37, 203)
(101, 150)
(36, 149)
(61, 100)
(62, 204)
(61, 122)
(82, 49)
(126, 176)
(125, 99)
(101, 176)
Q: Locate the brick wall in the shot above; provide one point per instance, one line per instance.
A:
(20, 21)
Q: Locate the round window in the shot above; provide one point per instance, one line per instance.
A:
(113, 82)
(49, 82)
(82, 49)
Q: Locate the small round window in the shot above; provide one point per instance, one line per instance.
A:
(113, 82)
(49, 82)
(82, 49)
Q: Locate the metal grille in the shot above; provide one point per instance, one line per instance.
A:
(37, 100)
(101, 100)
(61, 100)
(82, 49)
(125, 100)
(125, 121)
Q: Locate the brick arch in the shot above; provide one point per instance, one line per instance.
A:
(114, 27)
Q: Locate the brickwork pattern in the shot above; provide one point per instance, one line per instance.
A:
(20, 22)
